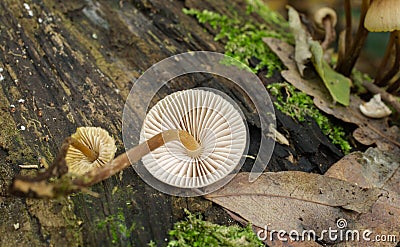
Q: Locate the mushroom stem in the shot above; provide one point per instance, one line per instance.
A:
(346, 64)
(395, 68)
(134, 154)
(385, 58)
(92, 155)
(325, 18)
(387, 97)
(40, 187)
(330, 34)
(347, 9)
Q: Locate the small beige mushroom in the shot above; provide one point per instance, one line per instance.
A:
(91, 147)
(375, 108)
(326, 19)
(213, 122)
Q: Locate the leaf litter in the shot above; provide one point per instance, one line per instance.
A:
(376, 131)
(307, 49)
(294, 200)
(361, 188)
(374, 169)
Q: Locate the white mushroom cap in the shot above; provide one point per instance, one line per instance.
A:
(375, 108)
(96, 139)
(214, 122)
(383, 16)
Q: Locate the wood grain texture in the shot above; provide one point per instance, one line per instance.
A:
(74, 63)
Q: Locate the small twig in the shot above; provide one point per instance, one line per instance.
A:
(29, 166)
(387, 97)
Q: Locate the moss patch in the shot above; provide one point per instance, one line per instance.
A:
(299, 105)
(120, 232)
(243, 38)
(194, 231)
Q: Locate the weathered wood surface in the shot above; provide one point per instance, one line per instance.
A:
(74, 62)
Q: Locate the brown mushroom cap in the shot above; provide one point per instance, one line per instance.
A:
(383, 16)
(97, 140)
(213, 121)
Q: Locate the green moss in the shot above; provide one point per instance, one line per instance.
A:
(358, 78)
(243, 38)
(298, 105)
(194, 231)
(117, 226)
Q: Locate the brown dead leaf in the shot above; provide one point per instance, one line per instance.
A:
(372, 130)
(374, 169)
(272, 239)
(368, 137)
(294, 200)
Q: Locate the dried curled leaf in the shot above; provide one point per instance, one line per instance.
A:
(374, 169)
(302, 54)
(293, 200)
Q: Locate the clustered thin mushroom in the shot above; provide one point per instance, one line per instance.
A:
(350, 50)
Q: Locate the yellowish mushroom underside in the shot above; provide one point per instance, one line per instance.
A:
(97, 140)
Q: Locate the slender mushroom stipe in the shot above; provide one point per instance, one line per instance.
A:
(383, 16)
(92, 155)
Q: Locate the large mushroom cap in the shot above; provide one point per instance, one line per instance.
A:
(383, 16)
(214, 122)
(97, 140)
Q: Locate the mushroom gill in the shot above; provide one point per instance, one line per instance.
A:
(213, 122)
(91, 147)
